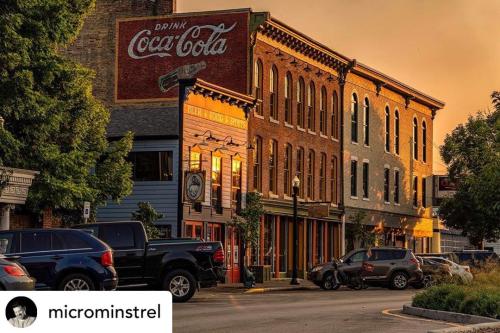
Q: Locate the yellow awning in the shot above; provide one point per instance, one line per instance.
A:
(422, 228)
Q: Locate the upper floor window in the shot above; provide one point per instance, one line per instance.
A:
(424, 141)
(333, 180)
(310, 106)
(300, 170)
(287, 170)
(273, 151)
(152, 165)
(310, 175)
(387, 129)
(288, 97)
(415, 191)
(217, 183)
(424, 192)
(396, 186)
(366, 179)
(335, 115)
(257, 164)
(273, 92)
(354, 178)
(366, 122)
(322, 112)
(354, 118)
(300, 102)
(322, 177)
(415, 139)
(396, 132)
(258, 80)
(386, 184)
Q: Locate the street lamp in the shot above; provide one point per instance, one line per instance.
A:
(295, 187)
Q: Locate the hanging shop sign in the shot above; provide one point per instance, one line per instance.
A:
(194, 186)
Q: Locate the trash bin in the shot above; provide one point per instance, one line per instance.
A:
(262, 273)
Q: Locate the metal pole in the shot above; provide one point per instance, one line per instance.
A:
(295, 238)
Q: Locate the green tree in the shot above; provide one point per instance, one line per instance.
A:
(53, 123)
(248, 223)
(472, 154)
(148, 215)
(357, 233)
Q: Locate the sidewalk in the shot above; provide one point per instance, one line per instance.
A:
(268, 286)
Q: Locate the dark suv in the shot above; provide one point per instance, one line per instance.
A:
(393, 267)
(62, 259)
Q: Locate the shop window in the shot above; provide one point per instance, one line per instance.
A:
(236, 185)
(217, 184)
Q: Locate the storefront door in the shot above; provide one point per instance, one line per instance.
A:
(233, 256)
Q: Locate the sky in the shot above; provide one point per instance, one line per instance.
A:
(448, 49)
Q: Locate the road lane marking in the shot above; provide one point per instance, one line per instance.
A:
(388, 313)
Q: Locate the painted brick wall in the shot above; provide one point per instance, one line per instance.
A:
(95, 46)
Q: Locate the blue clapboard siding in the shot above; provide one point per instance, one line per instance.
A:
(161, 195)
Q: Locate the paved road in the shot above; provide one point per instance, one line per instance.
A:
(343, 311)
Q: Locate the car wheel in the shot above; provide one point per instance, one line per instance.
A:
(77, 282)
(329, 283)
(428, 281)
(181, 285)
(399, 281)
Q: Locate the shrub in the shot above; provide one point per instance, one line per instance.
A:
(481, 298)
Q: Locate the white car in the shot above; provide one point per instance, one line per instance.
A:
(458, 270)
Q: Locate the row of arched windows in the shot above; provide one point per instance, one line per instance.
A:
(304, 168)
(305, 99)
(387, 129)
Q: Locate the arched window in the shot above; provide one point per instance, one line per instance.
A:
(287, 171)
(354, 118)
(258, 79)
(322, 177)
(396, 132)
(366, 122)
(273, 92)
(415, 138)
(424, 141)
(310, 106)
(257, 164)
(322, 112)
(310, 175)
(387, 129)
(335, 115)
(300, 102)
(288, 97)
(273, 165)
(299, 170)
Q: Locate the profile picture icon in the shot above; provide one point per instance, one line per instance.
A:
(21, 312)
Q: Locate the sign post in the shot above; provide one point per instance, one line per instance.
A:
(86, 211)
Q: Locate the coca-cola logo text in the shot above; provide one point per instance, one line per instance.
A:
(147, 43)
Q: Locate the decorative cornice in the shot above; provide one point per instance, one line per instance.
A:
(224, 95)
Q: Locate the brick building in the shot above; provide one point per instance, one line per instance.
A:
(316, 106)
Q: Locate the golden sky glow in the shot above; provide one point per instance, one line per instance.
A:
(449, 49)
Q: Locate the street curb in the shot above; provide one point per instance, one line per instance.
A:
(467, 329)
(452, 317)
(271, 289)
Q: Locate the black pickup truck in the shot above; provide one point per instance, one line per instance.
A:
(178, 265)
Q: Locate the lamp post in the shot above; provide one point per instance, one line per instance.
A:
(295, 187)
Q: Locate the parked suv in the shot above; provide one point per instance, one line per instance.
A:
(395, 267)
(62, 259)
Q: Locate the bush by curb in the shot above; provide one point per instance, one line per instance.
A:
(453, 317)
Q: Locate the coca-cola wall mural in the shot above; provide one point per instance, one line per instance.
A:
(153, 53)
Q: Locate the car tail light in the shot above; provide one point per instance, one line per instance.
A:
(219, 255)
(107, 259)
(415, 261)
(14, 271)
(368, 267)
